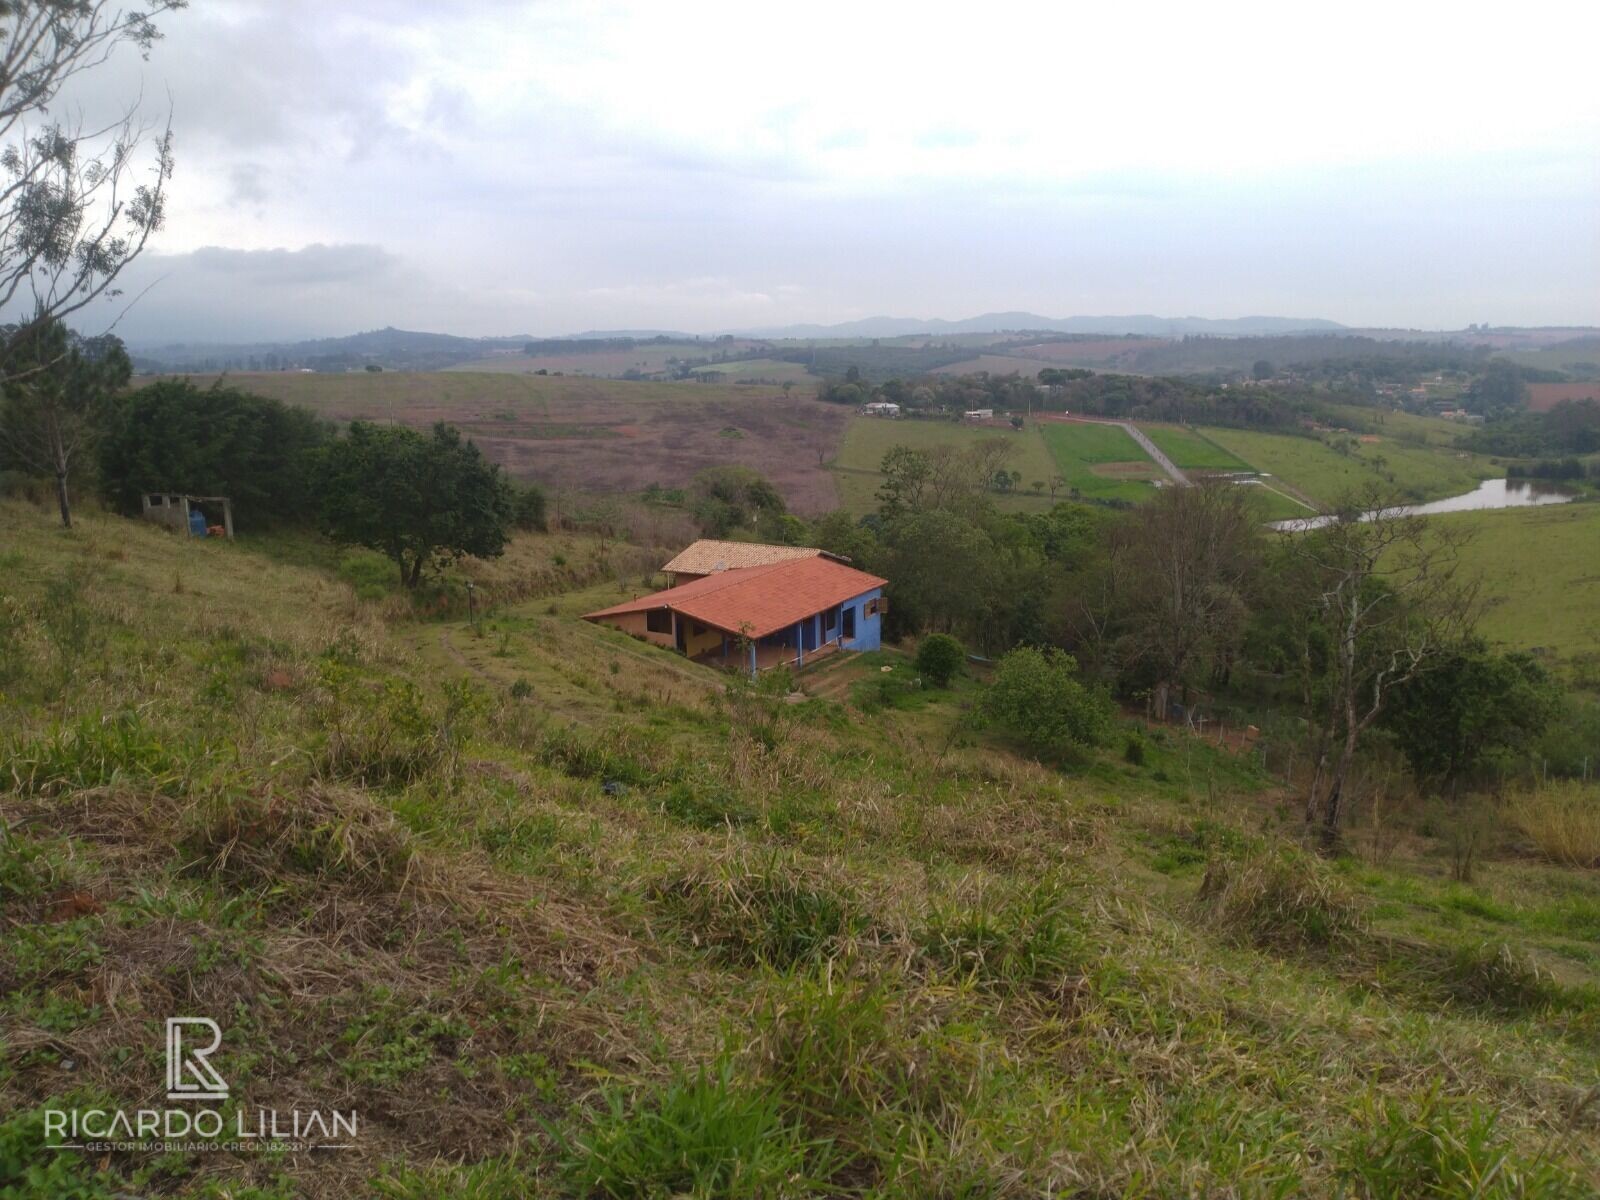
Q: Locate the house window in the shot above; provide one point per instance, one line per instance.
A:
(830, 621)
(850, 622)
(658, 620)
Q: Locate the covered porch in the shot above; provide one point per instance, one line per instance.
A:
(764, 654)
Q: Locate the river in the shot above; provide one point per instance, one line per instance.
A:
(1491, 493)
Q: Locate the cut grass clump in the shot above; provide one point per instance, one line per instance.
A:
(700, 1135)
(1032, 940)
(258, 838)
(1563, 820)
(1279, 897)
(1495, 976)
(773, 909)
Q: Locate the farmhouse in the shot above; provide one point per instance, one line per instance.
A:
(755, 618)
(881, 408)
(708, 556)
(978, 414)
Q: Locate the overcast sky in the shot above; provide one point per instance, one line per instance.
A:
(486, 167)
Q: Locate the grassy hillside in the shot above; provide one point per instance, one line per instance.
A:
(867, 439)
(1541, 573)
(594, 435)
(1323, 475)
(561, 915)
(1100, 461)
(1192, 450)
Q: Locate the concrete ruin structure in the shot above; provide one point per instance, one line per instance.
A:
(177, 512)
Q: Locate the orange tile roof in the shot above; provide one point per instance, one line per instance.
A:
(709, 554)
(756, 601)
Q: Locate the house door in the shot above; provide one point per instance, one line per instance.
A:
(850, 623)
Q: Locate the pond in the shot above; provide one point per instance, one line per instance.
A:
(1491, 493)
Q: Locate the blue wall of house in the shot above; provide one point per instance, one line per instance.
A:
(869, 630)
(807, 634)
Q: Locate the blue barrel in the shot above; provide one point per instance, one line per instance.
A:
(197, 522)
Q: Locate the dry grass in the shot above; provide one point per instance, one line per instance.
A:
(1279, 897)
(1562, 820)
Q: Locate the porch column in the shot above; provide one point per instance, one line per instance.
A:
(799, 645)
(752, 659)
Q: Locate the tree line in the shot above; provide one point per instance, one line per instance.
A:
(420, 497)
(1363, 628)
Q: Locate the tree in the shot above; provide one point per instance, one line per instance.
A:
(1500, 390)
(1471, 711)
(1261, 370)
(422, 499)
(528, 507)
(59, 387)
(906, 473)
(1186, 561)
(939, 657)
(938, 565)
(171, 436)
(841, 533)
(731, 498)
(1382, 604)
(1037, 696)
(72, 214)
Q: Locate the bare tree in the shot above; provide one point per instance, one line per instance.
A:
(77, 204)
(1386, 601)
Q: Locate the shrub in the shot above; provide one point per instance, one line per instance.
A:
(1444, 1148)
(939, 658)
(97, 752)
(13, 619)
(371, 574)
(528, 507)
(1037, 697)
(1282, 898)
(1133, 750)
(392, 733)
(68, 621)
(1563, 820)
(700, 1135)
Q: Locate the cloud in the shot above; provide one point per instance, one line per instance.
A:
(309, 266)
(568, 164)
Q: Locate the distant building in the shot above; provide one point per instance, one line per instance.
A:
(978, 414)
(881, 408)
(755, 618)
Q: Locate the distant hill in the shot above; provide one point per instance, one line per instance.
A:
(401, 349)
(1143, 324)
